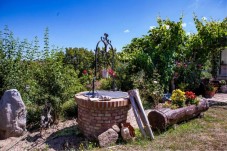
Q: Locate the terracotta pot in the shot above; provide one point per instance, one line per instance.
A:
(209, 94)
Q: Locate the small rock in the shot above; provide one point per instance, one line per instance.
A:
(127, 132)
(116, 128)
(108, 138)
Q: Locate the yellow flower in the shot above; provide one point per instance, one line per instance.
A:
(178, 97)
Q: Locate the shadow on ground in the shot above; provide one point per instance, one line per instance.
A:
(66, 138)
(216, 103)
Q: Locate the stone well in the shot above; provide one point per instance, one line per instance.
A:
(95, 117)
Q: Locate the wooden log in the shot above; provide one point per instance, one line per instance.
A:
(135, 93)
(162, 118)
(137, 116)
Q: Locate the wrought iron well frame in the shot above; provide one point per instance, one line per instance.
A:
(104, 51)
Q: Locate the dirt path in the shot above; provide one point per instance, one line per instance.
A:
(58, 137)
(63, 136)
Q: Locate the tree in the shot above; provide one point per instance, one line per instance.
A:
(159, 50)
(210, 40)
(80, 58)
(175, 56)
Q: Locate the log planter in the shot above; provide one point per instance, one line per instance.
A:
(160, 119)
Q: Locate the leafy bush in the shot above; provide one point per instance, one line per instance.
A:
(105, 84)
(150, 89)
(33, 117)
(189, 75)
(222, 82)
(69, 108)
(40, 76)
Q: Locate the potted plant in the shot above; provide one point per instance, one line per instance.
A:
(209, 91)
(223, 87)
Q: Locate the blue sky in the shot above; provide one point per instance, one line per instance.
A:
(81, 23)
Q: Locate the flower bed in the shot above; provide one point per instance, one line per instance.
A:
(180, 99)
(181, 107)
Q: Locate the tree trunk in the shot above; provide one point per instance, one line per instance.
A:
(162, 118)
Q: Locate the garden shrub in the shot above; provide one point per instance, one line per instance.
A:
(146, 87)
(123, 81)
(105, 84)
(40, 76)
(189, 75)
(86, 79)
(69, 109)
(33, 117)
(60, 84)
(149, 87)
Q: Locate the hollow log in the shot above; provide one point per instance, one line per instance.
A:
(162, 118)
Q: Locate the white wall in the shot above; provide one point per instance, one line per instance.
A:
(224, 56)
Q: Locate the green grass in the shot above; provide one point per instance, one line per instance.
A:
(207, 133)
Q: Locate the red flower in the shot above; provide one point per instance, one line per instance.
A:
(112, 73)
(190, 95)
(84, 72)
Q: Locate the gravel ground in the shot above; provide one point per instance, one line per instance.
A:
(48, 141)
(131, 118)
(53, 138)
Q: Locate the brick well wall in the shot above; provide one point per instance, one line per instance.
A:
(96, 117)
